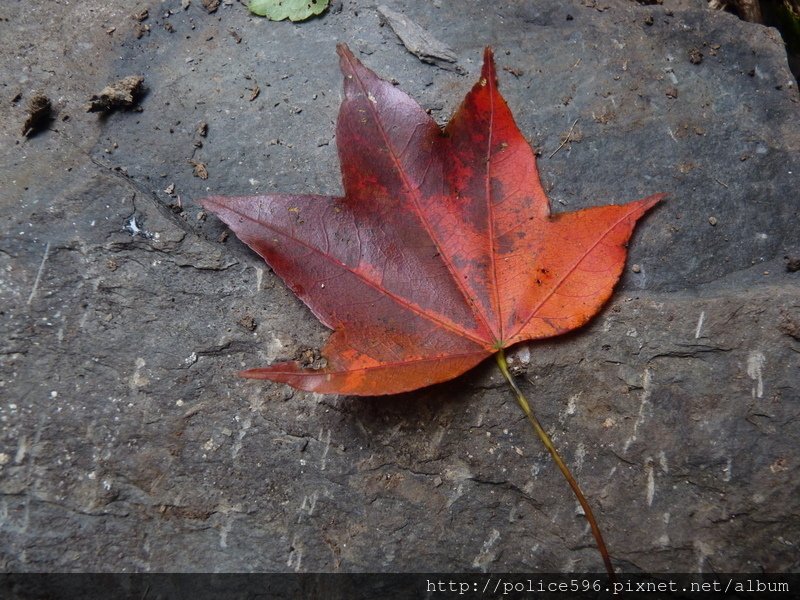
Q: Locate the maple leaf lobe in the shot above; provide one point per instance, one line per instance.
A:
(442, 249)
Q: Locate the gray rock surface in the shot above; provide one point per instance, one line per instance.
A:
(127, 442)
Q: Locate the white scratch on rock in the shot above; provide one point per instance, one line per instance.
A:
(580, 456)
(39, 273)
(699, 328)
(132, 227)
(671, 74)
(223, 533)
(138, 380)
(22, 449)
(237, 445)
(651, 481)
(456, 475)
(572, 403)
(326, 438)
(523, 355)
(647, 380)
(662, 461)
(31, 483)
(457, 493)
(308, 505)
(569, 566)
(755, 368)
(84, 318)
(259, 278)
(672, 135)
(437, 437)
(487, 554)
(702, 551)
(274, 348)
(295, 556)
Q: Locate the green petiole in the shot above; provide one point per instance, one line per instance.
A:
(548, 443)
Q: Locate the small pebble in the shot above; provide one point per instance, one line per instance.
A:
(712, 221)
(636, 269)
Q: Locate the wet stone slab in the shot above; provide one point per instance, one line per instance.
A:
(128, 443)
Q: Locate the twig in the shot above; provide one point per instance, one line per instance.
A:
(566, 139)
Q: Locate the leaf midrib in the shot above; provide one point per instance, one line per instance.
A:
(490, 212)
(414, 193)
(383, 365)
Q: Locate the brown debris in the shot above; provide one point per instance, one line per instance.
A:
(515, 72)
(604, 117)
(789, 326)
(593, 4)
(211, 6)
(310, 358)
(748, 10)
(124, 93)
(419, 41)
(140, 29)
(40, 112)
(201, 131)
(695, 56)
(200, 169)
(247, 322)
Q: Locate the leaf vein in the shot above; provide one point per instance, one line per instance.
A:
(421, 215)
(404, 302)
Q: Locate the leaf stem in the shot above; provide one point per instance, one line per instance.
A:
(548, 443)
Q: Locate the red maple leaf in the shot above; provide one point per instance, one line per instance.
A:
(442, 251)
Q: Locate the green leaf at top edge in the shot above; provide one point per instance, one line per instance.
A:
(294, 10)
